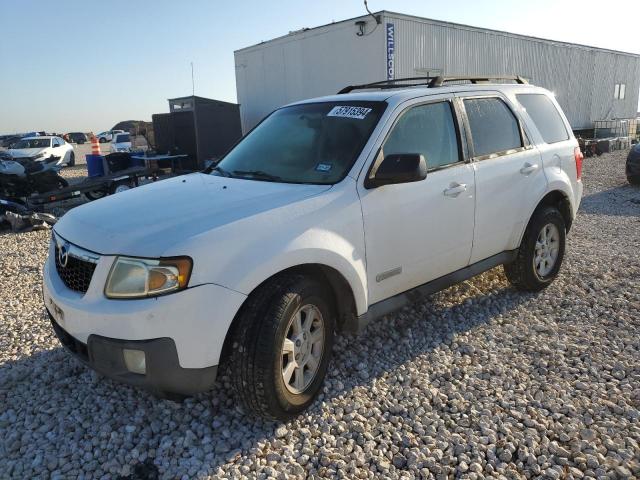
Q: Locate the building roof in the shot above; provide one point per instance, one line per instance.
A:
(450, 25)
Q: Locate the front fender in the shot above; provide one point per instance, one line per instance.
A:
(314, 247)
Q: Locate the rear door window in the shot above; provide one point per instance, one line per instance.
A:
(494, 128)
(545, 116)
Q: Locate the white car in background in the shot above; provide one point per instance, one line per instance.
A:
(42, 147)
(104, 137)
(121, 143)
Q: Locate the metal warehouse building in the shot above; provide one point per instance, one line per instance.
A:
(590, 83)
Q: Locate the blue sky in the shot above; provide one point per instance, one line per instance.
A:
(82, 65)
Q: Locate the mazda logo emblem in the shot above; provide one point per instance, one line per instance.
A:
(63, 254)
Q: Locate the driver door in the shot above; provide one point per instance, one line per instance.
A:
(417, 232)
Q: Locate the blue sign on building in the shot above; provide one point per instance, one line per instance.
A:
(391, 47)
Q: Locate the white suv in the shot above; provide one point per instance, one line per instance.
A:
(330, 213)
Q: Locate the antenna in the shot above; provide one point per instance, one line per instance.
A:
(193, 83)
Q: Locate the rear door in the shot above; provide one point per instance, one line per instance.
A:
(508, 170)
(416, 232)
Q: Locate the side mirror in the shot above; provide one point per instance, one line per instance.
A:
(398, 168)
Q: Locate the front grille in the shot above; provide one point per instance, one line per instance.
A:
(77, 273)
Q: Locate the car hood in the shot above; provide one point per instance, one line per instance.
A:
(148, 220)
(25, 152)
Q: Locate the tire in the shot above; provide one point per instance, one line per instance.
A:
(120, 187)
(633, 180)
(96, 194)
(102, 140)
(72, 160)
(257, 363)
(525, 273)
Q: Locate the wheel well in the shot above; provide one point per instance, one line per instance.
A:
(559, 200)
(343, 297)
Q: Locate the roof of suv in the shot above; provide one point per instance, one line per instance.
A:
(401, 94)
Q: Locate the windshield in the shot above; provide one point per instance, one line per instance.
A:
(123, 137)
(33, 143)
(310, 143)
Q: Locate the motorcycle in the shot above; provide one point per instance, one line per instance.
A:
(23, 177)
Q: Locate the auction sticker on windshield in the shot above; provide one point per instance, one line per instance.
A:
(349, 112)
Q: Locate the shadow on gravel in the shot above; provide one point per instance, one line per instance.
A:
(131, 434)
(621, 201)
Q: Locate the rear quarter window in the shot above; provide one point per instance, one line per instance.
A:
(545, 116)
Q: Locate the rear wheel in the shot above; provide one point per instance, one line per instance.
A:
(282, 346)
(541, 252)
(102, 140)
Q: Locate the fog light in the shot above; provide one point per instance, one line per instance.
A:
(135, 361)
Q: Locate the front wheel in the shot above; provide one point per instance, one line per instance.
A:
(541, 252)
(633, 179)
(72, 160)
(282, 345)
(102, 140)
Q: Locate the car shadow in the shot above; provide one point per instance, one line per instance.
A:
(53, 392)
(622, 201)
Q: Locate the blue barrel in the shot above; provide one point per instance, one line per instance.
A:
(95, 166)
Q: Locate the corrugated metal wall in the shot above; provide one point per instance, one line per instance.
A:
(306, 64)
(582, 78)
(320, 61)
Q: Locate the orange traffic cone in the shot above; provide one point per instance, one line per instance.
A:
(95, 146)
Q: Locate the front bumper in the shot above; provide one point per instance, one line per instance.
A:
(163, 376)
(195, 320)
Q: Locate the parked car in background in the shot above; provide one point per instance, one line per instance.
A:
(77, 137)
(633, 165)
(330, 213)
(121, 142)
(43, 147)
(107, 136)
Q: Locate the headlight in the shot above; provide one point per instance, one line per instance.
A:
(142, 277)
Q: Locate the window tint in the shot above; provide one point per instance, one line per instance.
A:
(545, 115)
(428, 130)
(493, 127)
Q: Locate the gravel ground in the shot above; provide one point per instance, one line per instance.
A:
(478, 382)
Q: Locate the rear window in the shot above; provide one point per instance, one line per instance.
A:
(494, 129)
(545, 116)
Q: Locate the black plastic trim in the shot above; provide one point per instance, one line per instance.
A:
(164, 373)
(399, 301)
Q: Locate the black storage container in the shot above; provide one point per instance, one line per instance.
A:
(199, 127)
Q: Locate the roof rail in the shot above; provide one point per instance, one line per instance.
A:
(439, 81)
(431, 82)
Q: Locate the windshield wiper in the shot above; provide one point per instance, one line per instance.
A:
(258, 174)
(221, 170)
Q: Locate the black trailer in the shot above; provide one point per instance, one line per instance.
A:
(92, 188)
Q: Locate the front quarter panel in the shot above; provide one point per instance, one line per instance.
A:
(324, 229)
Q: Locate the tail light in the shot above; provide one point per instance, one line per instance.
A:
(577, 153)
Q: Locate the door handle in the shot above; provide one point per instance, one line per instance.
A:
(455, 189)
(528, 168)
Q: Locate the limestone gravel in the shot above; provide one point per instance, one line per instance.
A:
(480, 381)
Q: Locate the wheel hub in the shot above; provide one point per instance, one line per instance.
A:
(546, 249)
(302, 348)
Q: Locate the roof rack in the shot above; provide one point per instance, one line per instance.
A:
(431, 82)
